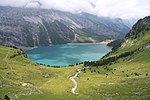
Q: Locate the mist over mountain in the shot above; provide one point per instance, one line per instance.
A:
(33, 4)
(130, 22)
(125, 9)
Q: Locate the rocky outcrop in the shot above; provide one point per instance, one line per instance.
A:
(30, 27)
(139, 28)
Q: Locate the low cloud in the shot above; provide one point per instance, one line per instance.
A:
(112, 8)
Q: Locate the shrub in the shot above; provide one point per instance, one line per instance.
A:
(136, 74)
(6, 97)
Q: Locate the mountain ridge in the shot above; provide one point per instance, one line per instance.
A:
(135, 41)
(30, 27)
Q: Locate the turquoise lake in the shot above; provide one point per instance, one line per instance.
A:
(67, 54)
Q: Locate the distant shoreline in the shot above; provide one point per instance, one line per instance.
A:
(86, 43)
(29, 48)
(103, 42)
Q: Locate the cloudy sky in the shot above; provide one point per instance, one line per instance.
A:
(113, 8)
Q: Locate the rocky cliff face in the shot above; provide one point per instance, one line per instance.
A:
(139, 28)
(31, 27)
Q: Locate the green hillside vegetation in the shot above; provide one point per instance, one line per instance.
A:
(15, 69)
(123, 74)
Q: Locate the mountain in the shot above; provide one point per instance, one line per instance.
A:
(123, 74)
(139, 28)
(30, 27)
(136, 41)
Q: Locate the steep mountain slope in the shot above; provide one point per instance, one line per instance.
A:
(31, 27)
(127, 77)
(136, 40)
(123, 73)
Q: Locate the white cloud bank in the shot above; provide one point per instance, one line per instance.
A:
(113, 8)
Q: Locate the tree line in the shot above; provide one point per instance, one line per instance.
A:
(109, 60)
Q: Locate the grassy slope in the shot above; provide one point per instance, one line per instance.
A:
(19, 69)
(117, 81)
(115, 84)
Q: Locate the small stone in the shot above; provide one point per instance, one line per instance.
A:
(25, 84)
(46, 76)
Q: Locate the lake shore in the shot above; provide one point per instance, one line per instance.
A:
(30, 48)
(103, 42)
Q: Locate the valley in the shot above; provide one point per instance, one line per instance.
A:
(122, 74)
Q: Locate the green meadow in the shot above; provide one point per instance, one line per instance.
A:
(128, 78)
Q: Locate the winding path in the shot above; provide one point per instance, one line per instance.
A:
(72, 78)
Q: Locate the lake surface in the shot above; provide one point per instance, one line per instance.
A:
(68, 54)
